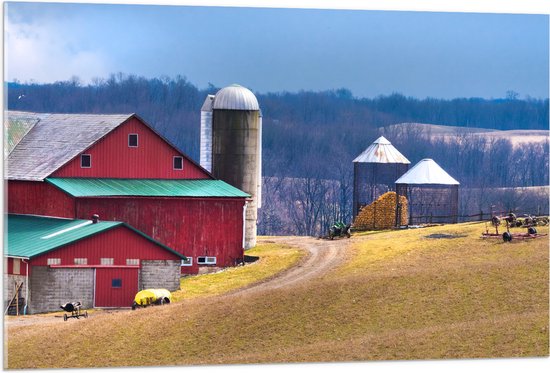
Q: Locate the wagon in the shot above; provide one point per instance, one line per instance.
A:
(75, 308)
(148, 297)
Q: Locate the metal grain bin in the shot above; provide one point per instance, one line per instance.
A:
(375, 171)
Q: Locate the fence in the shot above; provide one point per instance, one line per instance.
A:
(430, 219)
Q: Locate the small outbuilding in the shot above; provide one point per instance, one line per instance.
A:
(52, 261)
(431, 192)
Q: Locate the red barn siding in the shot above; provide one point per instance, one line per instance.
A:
(22, 267)
(39, 198)
(106, 295)
(191, 226)
(152, 159)
(119, 243)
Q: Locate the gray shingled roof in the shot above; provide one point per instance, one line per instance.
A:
(16, 126)
(54, 140)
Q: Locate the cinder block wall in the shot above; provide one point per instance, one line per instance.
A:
(160, 274)
(9, 287)
(52, 287)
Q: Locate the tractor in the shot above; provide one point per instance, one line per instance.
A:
(339, 229)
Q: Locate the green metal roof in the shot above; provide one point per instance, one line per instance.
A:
(29, 236)
(80, 187)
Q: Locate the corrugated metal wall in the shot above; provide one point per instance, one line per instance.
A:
(38, 198)
(10, 265)
(119, 243)
(151, 159)
(371, 180)
(106, 295)
(191, 226)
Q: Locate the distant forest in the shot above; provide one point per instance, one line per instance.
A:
(314, 136)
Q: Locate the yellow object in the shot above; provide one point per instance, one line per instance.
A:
(152, 296)
(381, 214)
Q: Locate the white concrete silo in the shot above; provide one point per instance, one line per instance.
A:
(231, 147)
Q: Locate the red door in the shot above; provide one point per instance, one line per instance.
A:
(115, 287)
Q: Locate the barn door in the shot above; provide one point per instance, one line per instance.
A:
(115, 287)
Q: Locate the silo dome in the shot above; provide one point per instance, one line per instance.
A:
(235, 97)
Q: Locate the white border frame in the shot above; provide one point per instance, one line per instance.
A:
(137, 140)
(82, 155)
(173, 163)
(206, 260)
(190, 258)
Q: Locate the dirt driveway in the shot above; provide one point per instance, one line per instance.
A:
(322, 256)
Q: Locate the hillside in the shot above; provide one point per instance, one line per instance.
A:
(312, 137)
(396, 295)
(517, 137)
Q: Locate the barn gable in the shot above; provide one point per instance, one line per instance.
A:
(54, 140)
(52, 261)
(33, 236)
(55, 143)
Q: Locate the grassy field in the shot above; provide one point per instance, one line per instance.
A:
(399, 295)
(274, 259)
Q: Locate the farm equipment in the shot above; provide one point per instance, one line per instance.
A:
(150, 297)
(339, 229)
(512, 221)
(75, 308)
(531, 221)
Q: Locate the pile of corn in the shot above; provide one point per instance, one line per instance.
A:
(381, 213)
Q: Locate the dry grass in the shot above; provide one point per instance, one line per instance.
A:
(400, 296)
(273, 260)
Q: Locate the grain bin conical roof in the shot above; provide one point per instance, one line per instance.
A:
(427, 172)
(381, 151)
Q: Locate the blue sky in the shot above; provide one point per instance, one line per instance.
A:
(420, 54)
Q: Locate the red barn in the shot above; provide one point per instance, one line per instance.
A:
(101, 264)
(117, 166)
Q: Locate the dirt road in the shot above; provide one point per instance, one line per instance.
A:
(323, 255)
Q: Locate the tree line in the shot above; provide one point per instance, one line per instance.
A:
(311, 138)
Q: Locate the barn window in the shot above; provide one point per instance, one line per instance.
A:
(54, 261)
(116, 283)
(106, 261)
(187, 262)
(133, 140)
(206, 260)
(16, 266)
(81, 261)
(85, 161)
(132, 262)
(178, 163)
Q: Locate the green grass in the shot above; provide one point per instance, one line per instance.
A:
(399, 296)
(274, 259)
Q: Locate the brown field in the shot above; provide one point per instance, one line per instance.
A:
(516, 137)
(394, 295)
